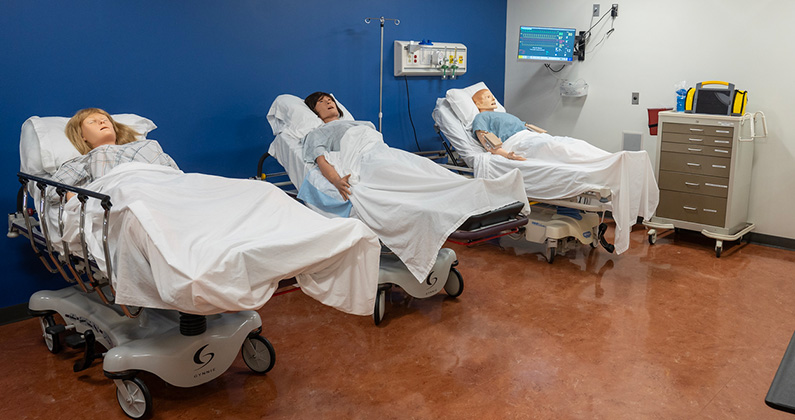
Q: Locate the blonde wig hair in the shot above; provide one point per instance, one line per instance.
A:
(74, 130)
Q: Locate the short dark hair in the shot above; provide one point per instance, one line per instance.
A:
(314, 98)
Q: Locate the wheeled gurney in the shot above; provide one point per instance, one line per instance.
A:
(160, 288)
(558, 171)
(288, 117)
(183, 349)
(559, 233)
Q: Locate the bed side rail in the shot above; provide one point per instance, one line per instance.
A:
(65, 263)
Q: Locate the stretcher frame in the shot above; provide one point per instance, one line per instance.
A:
(183, 349)
(444, 275)
(559, 233)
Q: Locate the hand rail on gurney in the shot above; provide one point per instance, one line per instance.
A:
(82, 195)
(490, 225)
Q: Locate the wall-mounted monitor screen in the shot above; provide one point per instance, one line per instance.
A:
(546, 45)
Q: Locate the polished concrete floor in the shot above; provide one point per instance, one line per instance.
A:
(661, 332)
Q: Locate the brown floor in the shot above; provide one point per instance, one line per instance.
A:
(661, 332)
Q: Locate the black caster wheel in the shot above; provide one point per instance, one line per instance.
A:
(258, 353)
(455, 284)
(380, 306)
(136, 402)
(52, 341)
(550, 254)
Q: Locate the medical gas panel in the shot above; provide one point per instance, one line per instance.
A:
(445, 59)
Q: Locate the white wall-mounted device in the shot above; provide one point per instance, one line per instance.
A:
(444, 59)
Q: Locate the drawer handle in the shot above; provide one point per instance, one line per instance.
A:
(693, 149)
(716, 185)
(691, 139)
(722, 141)
(710, 211)
(694, 164)
(699, 130)
(722, 131)
(718, 166)
(689, 208)
(721, 151)
(692, 184)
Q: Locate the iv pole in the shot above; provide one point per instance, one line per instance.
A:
(381, 74)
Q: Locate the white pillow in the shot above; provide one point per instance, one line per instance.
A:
(463, 106)
(43, 145)
(289, 114)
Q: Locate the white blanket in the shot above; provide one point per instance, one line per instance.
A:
(412, 203)
(560, 167)
(205, 244)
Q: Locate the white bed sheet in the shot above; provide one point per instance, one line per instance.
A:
(204, 244)
(562, 167)
(412, 203)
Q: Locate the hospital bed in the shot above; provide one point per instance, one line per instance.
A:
(291, 120)
(186, 344)
(583, 198)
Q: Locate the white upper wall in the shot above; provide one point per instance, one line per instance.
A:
(654, 46)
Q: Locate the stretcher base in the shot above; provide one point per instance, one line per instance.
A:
(443, 275)
(557, 232)
(152, 342)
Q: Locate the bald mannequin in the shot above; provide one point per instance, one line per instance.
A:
(486, 102)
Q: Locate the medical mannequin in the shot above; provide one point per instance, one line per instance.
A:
(103, 144)
(492, 128)
(327, 139)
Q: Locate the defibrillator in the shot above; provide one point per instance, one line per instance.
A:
(723, 100)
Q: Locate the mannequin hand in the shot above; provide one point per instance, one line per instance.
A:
(343, 186)
(514, 156)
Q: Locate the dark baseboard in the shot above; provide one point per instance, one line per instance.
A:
(14, 313)
(770, 240)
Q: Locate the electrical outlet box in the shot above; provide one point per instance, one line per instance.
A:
(596, 10)
(635, 98)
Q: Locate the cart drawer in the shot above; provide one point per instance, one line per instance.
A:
(697, 140)
(705, 130)
(696, 149)
(696, 208)
(694, 164)
(696, 184)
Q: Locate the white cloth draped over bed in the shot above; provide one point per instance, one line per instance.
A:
(558, 167)
(412, 203)
(204, 244)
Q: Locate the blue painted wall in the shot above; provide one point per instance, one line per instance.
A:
(206, 72)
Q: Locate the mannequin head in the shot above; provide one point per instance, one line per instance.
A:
(484, 100)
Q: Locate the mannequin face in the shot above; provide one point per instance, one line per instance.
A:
(484, 100)
(326, 109)
(98, 130)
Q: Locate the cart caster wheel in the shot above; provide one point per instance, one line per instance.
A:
(380, 306)
(455, 284)
(550, 254)
(718, 250)
(652, 238)
(52, 341)
(258, 353)
(136, 402)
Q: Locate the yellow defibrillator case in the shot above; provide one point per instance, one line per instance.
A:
(722, 101)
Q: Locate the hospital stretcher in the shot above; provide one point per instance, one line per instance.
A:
(183, 349)
(287, 150)
(559, 233)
